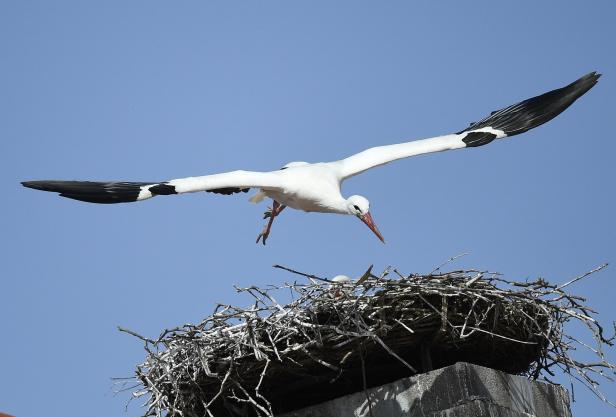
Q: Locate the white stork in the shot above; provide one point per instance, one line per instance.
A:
(315, 187)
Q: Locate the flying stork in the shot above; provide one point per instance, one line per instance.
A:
(315, 187)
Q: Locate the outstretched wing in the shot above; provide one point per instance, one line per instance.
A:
(509, 121)
(126, 192)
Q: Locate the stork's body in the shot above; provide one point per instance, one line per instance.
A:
(309, 187)
(316, 187)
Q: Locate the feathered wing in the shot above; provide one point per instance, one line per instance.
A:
(126, 192)
(92, 192)
(506, 122)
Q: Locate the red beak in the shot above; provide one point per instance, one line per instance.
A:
(367, 218)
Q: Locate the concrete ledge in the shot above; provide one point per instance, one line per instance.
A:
(460, 390)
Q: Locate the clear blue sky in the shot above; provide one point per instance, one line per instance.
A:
(150, 90)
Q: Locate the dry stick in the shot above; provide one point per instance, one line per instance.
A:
(302, 274)
(473, 280)
(319, 361)
(365, 276)
(137, 335)
(597, 269)
(436, 311)
(448, 261)
(258, 394)
(407, 328)
(498, 335)
(362, 352)
(392, 353)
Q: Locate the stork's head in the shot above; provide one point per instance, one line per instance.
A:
(359, 207)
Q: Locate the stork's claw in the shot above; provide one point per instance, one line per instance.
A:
(263, 235)
(266, 229)
(270, 214)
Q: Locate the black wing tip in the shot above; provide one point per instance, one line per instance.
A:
(97, 199)
(36, 185)
(91, 192)
(533, 112)
(593, 75)
(585, 83)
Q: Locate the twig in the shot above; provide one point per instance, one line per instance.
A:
(597, 269)
(447, 262)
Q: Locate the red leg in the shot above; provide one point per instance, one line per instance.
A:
(276, 209)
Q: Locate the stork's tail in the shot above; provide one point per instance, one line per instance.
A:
(258, 197)
(96, 192)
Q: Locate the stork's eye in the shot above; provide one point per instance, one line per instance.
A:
(356, 208)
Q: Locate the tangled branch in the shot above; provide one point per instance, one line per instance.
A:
(334, 338)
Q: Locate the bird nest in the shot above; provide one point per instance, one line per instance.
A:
(333, 338)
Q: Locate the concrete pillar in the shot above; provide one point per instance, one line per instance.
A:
(460, 390)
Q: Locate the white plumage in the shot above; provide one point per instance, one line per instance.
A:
(316, 187)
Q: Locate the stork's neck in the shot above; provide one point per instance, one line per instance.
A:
(340, 206)
(337, 205)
